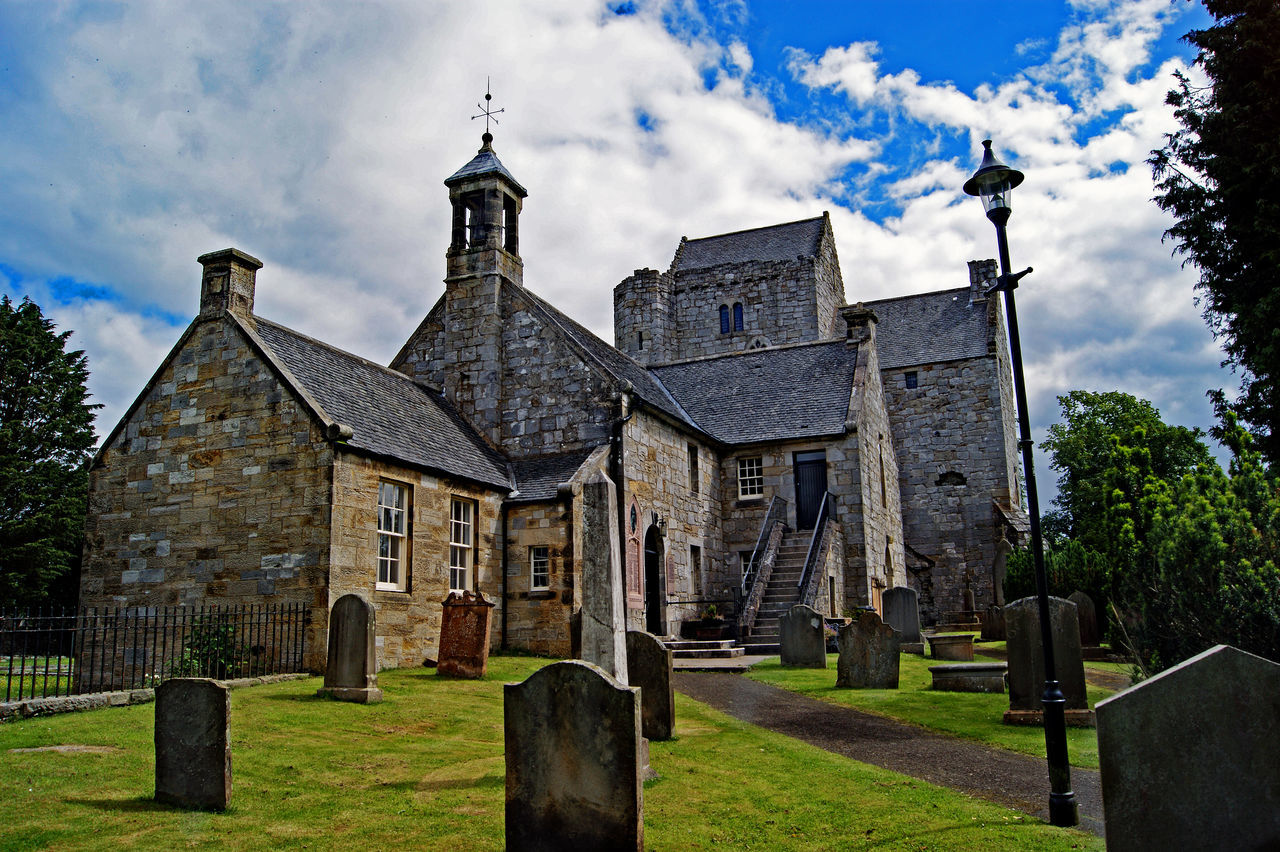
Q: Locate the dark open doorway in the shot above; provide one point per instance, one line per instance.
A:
(653, 582)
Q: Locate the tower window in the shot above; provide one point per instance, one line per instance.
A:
(510, 230)
(737, 316)
(724, 319)
(640, 335)
(694, 477)
(911, 378)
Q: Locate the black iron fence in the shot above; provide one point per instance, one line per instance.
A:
(52, 652)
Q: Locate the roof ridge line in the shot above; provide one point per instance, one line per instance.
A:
(390, 371)
(759, 228)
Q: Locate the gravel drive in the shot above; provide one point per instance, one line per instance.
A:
(1014, 780)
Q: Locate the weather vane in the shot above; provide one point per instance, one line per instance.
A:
(489, 114)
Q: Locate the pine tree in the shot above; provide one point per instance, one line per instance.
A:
(46, 438)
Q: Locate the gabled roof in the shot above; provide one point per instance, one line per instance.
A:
(540, 477)
(930, 327)
(775, 242)
(485, 162)
(767, 395)
(391, 415)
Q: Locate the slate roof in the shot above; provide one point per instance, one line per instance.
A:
(767, 395)
(392, 416)
(485, 162)
(929, 327)
(775, 242)
(616, 364)
(539, 478)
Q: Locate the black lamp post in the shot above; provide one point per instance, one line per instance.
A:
(993, 182)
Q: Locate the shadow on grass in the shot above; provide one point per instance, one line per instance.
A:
(137, 804)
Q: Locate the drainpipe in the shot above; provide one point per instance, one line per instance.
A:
(505, 556)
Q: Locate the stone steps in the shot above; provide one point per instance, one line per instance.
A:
(702, 649)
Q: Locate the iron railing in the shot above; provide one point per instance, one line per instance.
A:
(817, 550)
(755, 577)
(53, 652)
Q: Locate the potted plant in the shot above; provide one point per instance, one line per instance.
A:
(711, 624)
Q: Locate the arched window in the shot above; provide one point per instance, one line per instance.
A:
(737, 316)
(724, 319)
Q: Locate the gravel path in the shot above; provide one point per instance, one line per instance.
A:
(1010, 779)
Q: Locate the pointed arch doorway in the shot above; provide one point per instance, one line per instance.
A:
(653, 582)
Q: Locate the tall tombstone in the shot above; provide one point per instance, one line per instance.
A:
(869, 651)
(802, 638)
(573, 761)
(464, 636)
(351, 673)
(1026, 661)
(604, 614)
(1190, 759)
(649, 667)
(193, 743)
(902, 613)
(1088, 615)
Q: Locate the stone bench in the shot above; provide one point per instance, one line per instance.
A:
(952, 646)
(969, 677)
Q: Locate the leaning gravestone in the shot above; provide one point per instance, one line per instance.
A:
(573, 761)
(649, 667)
(1190, 759)
(1026, 662)
(604, 615)
(802, 638)
(193, 743)
(902, 613)
(351, 673)
(869, 651)
(464, 636)
(1087, 613)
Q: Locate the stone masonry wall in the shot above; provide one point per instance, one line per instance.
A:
(641, 315)
(408, 627)
(538, 620)
(214, 491)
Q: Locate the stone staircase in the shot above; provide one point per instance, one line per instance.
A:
(782, 593)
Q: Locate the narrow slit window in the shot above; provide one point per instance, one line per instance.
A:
(737, 316)
(724, 319)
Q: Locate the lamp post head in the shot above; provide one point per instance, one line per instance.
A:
(993, 182)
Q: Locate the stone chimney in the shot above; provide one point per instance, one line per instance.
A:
(228, 282)
(860, 322)
(982, 277)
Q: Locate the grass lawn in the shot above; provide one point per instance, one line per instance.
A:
(971, 716)
(424, 770)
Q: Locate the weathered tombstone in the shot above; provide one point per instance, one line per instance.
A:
(993, 624)
(1026, 661)
(193, 743)
(573, 761)
(351, 673)
(1190, 759)
(464, 636)
(952, 646)
(1087, 613)
(902, 613)
(802, 638)
(649, 667)
(604, 615)
(968, 677)
(869, 654)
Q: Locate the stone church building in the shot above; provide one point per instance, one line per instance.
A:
(746, 415)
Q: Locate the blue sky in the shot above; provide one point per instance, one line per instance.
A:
(134, 138)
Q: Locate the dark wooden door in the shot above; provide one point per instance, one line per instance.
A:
(653, 582)
(811, 487)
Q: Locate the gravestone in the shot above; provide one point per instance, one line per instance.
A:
(902, 613)
(649, 667)
(802, 639)
(993, 624)
(351, 673)
(1087, 613)
(869, 651)
(1190, 759)
(604, 616)
(573, 761)
(193, 743)
(464, 636)
(1026, 662)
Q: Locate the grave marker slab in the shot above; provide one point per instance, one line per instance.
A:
(193, 743)
(464, 636)
(649, 667)
(604, 616)
(902, 613)
(1026, 662)
(573, 761)
(802, 638)
(869, 654)
(351, 673)
(1190, 759)
(1087, 614)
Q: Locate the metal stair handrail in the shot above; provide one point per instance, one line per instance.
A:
(818, 548)
(756, 578)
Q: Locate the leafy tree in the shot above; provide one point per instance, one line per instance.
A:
(1082, 449)
(46, 437)
(1219, 175)
(1200, 555)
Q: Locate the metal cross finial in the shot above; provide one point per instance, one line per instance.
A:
(487, 112)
